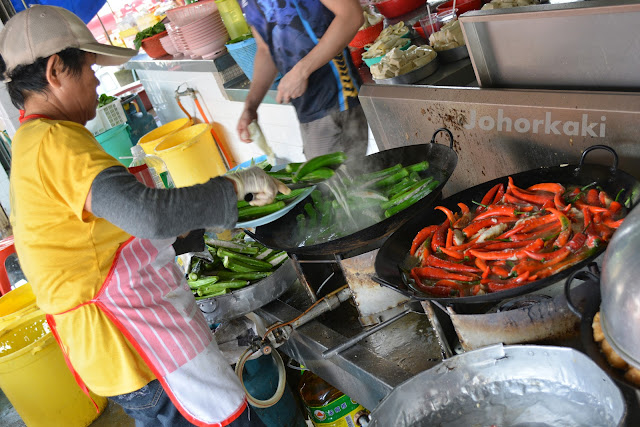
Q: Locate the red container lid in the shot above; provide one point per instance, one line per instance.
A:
(462, 6)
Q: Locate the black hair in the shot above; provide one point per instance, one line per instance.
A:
(33, 77)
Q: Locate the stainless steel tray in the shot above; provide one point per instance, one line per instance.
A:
(242, 301)
(580, 45)
(453, 55)
(506, 385)
(412, 76)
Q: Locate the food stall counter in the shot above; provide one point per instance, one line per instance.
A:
(368, 370)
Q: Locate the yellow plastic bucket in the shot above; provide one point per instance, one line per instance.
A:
(36, 380)
(16, 304)
(191, 155)
(149, 140)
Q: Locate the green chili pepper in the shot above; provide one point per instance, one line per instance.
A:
(331, 159)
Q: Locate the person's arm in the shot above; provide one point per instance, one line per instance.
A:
(121, 199)
(348, 18)
(263, 77)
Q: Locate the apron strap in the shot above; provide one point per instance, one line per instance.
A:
(52, 325)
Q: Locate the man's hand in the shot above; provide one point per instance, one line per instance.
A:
(248, 115)
(292, 85)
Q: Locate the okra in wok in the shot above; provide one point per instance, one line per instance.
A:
(311, 172)
(347, 204)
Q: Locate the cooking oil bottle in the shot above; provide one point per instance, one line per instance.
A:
(327, 406)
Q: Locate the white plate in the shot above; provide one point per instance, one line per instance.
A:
(278, 214)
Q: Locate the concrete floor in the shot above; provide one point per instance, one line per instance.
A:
(112, 416)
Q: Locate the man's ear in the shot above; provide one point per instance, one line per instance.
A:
(54, 71)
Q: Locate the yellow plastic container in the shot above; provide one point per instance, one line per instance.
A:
(16, 304)
(191, 155)
(233, 18)
(36, 380)
(149, 141)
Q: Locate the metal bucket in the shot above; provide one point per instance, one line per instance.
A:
(506, 385)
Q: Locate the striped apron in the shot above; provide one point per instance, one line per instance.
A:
(146, 297)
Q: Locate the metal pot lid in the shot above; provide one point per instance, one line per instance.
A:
(506, 385)
(620, 290)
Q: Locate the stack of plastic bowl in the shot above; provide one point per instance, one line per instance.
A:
(192, 12)
(206, 37)
(197, 31)
(168, 45)
(178, 40)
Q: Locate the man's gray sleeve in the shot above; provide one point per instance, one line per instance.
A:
(149, 213)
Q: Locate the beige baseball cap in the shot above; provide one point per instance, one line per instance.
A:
(41, 31)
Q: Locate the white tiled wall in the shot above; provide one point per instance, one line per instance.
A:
(4, 191)
(9, 122)
(8, 113)
(278, 122)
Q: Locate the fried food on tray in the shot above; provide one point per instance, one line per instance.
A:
(612, 357)
(598, 335)
(632, 374)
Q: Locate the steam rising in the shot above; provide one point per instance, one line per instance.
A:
(348, 202)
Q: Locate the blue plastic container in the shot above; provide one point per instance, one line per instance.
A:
(244, 53)
(261, 381)
(117, 142)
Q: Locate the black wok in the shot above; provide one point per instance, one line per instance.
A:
(442, 162)
(394, 251)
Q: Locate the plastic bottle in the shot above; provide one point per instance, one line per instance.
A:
(233, 18)
(327, 406)
(156, 167)
(256, 135)
(161, 170)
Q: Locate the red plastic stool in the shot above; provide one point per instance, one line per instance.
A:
(6, 248)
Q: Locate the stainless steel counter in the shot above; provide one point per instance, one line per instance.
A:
(368, 371)
(235, 85)
(459, 73)
(144, 62)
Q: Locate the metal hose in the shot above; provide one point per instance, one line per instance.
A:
(282, 376)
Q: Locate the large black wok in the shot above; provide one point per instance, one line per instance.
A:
(394, 251)
(442, 162)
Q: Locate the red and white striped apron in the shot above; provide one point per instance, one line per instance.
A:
(148, 299)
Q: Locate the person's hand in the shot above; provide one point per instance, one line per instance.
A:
(292, 85)
(256, 181)
(248, 115)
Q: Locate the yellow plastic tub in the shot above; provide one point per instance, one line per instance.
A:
(191, 155)
(16, 304)
(36, 380)
(149, 141)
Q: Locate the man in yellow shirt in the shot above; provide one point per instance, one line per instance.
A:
(96, 244)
